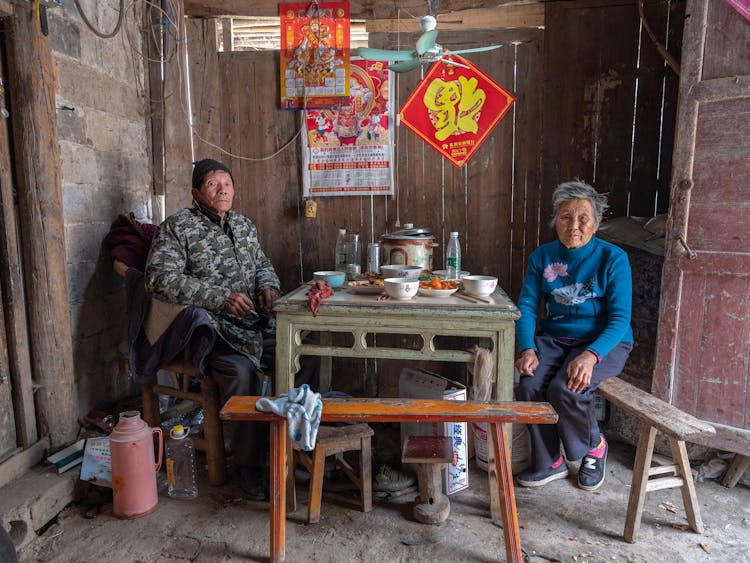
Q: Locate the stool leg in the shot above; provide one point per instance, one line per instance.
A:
(316, 485)
(736, 470)
(689, 498)
(365, 474)
(213, 433)
(639, 485)
(513, 553)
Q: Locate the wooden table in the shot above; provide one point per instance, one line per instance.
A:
(400, 410)
(362, 315)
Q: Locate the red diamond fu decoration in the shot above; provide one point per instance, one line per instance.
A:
(454, 109)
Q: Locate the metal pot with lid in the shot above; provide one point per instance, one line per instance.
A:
(409, 246)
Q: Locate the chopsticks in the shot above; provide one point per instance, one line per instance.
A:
(474, 298)
(466, 298)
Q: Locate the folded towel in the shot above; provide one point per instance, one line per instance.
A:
(302, 408)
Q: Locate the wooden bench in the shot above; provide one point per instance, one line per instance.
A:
(496, 414)
(678, 427)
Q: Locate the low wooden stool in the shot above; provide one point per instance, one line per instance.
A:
(431, 453)
(335, 440)
(678, 426)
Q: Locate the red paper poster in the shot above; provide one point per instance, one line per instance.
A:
(348, 149)
(454, 109)
(314, 54)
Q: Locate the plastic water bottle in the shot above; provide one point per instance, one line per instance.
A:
(340, 260)
(180, 454)
(453, 258)
(353, 257)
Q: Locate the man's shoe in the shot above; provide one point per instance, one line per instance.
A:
(531, 478)
(592, 470)
(253, 483)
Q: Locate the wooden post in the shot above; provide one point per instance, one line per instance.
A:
(32, 78)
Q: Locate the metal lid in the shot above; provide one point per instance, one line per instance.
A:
(410, 233)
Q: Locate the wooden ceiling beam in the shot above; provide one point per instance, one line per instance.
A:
(360, 9)
(501, 17)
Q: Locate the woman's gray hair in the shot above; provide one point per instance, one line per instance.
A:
(576, 189)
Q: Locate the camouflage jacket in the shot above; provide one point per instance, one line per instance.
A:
(195, 261)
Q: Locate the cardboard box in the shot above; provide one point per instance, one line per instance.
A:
(417, 384)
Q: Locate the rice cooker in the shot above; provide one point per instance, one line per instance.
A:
(409, 246)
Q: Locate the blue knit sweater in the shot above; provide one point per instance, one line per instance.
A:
(586, 292)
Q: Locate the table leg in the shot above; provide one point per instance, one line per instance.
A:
(513, 552)
(278, 489)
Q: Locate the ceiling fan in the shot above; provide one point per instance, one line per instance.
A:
(426, 51)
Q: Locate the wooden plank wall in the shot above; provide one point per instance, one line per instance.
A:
(576, 87)
(610, 105)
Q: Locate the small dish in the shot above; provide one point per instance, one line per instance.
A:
(365, 287)
(437, 292)
(400, 271)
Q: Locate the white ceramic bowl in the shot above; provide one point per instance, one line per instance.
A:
(399, 288)
(400, 271)
(479, 285)
(335, 279)
(443, 273)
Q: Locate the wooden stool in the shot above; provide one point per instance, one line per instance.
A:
(212, 443)
(335, 440)
(678, 426)
(431, 453)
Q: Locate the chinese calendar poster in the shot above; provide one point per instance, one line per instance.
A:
(454, 109)
(348, 149)
(314, 54)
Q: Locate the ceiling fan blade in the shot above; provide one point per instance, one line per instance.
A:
(476, 50)
(452, 62)
(384, 54)
(404, 66)
(426, 41)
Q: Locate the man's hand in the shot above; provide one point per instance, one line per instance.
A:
(266, 299)
(527, 363)
(239, 304)
(580, 370)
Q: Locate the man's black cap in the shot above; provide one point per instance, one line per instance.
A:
(203, 167)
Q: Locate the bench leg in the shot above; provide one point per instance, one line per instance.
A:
(496, 512)
(736, 470)
(365, 474)
(689, 498)
(277, 506)
(513, 552)
(317, 472)
(213, 433)
(639, 486)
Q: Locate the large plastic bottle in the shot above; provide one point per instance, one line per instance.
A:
(453, 258)
(340, 260)
(180, 454)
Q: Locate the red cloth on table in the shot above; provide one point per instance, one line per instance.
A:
(320, 290)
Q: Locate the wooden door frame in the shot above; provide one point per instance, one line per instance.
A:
(678, 255)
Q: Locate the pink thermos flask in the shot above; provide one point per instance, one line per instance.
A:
(133, 469)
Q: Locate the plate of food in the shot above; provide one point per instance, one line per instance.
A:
(370, 286)
(438, 288)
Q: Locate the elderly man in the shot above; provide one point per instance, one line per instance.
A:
(209, 257)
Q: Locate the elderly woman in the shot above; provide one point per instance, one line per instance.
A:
(580, 288)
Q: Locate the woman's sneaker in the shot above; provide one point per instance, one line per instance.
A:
(531, 478)
(592, 470)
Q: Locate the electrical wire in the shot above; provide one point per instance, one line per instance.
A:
(95, 31)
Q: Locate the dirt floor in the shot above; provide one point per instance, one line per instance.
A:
(558, 523)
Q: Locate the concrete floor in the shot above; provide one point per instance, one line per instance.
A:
(558, 523)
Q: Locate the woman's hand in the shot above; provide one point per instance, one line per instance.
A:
(239, 304)
(527, 363)
(266, 299)
(580, 370)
